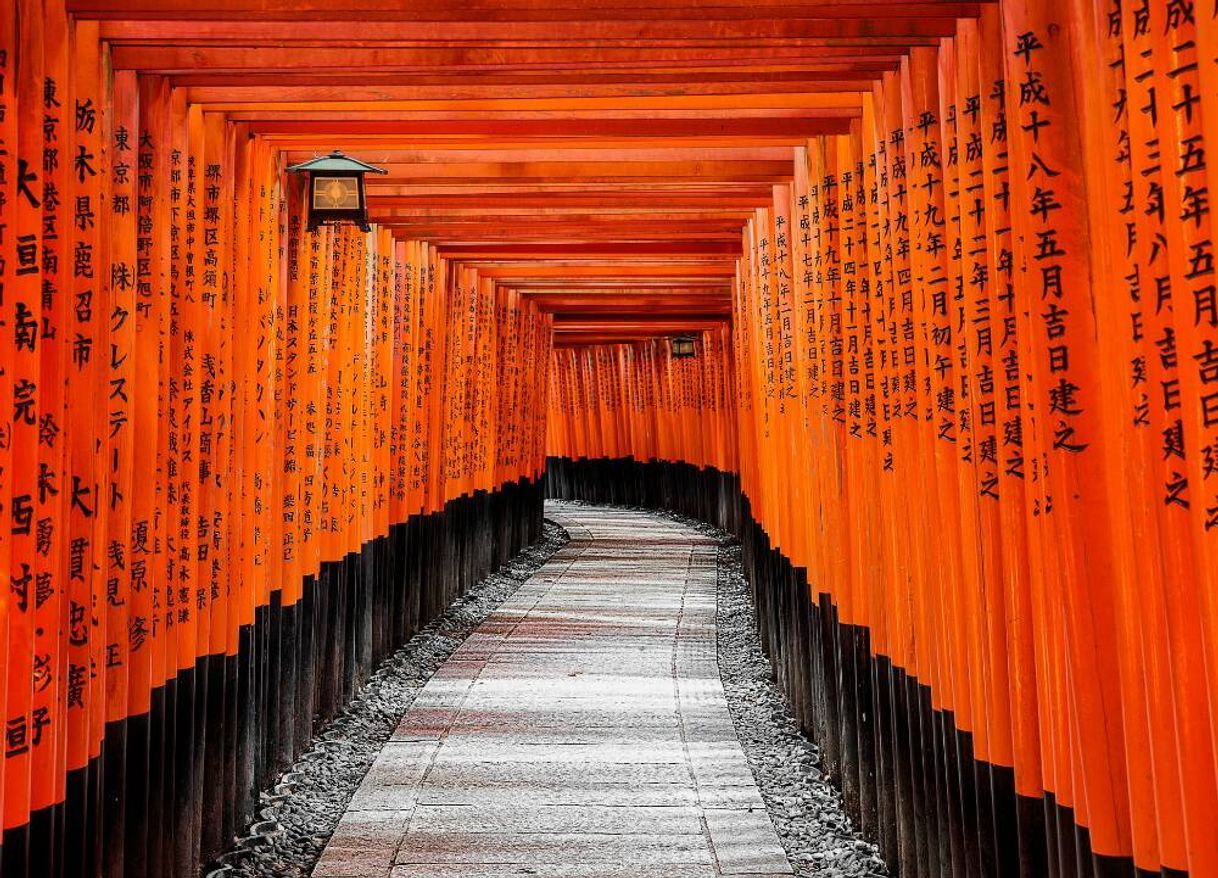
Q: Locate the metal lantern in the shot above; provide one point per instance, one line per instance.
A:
(336, 189)
(682, 346)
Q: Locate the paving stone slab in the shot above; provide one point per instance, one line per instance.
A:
(582, 731)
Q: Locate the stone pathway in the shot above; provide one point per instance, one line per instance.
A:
(581, 731)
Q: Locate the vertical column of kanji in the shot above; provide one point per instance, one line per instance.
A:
(360, 422)
(217, 393)
(50, 653)
(1207, 48)
(556, 440)
(278, 528)
(420, 467)
(668, 408)
(1016, 542)
(1066, 369)
(831, 323)
(329, 360)
(788, 409)
(257, 248)
(413, 405)
(876, 271)
(417, 398)
(850, 318)
(374, 370)
(741, 342)
(579, 403)
(885, 234)
(911, 223)
(758, 264)
(516, 353)
(584, 403)
(243, 702)
(1190, 497)
(194, 596)
(90, 258)
(383, 376)
(601, 429)
(293, 388)
(738, 403)
(86, 511)
(540, 329)
(400, 402)
(8, 183)
(439, 284)
(873, 580)
(532, 393)
(746, 318)
(120, 388)
(451, 390)
(712, 375)
(511, 416)
(968, 623)
(346, 510)
(642, 391)
(249, 237)
(622, 362)
(346, 498)
(383, 382)
(339, 464)
(979, 467)
(895, 661)
(182, 494)
(473, 401)
(417, 437)
(972, 734)
(484, 423)
(1122, 148)
(638, 398)
(497, 320)
(806, 234)
(478, 334)
(937, 390)
(915, 649)
(611, 412)
(363, 351)
(594, 433)
(23, 733)
(399, 387)
(146, 641)
(705, 423)
(576, 390)
(149, 542)
(312, 483)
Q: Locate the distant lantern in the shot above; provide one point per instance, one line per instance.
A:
(682, 346)
(336, 189)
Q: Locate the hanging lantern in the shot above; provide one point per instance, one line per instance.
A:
(336, 189)
(682, 346)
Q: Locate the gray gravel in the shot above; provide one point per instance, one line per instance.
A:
(297, 818)
(805, 809)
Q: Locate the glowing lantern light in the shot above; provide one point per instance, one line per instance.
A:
(682, 347)
(336, 189)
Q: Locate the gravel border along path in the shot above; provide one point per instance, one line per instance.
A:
(297, 818)
(804, 808)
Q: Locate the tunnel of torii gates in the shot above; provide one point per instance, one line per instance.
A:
(949, 268)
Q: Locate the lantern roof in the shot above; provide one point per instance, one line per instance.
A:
(336, 161)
